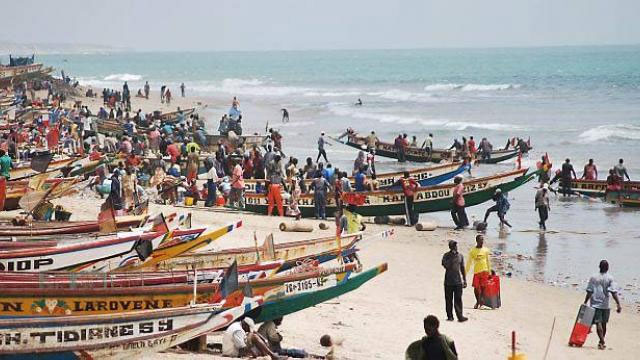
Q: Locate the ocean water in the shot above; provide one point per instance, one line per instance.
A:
(573, 102)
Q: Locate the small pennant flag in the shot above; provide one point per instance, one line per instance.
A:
(107, 218)
(230, 280)
(40, 162)
(269, 248)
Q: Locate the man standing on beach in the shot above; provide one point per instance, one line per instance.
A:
(598, 290)
(285, 115)
(182, 89)
(621, 170)
(542, 205)
(434, 346)
(321, 144)
(162, 93)
(453, 262)
(458, 214)
(146, 90)
(409, 187)
(479, 256)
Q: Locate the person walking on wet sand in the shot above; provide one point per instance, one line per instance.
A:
(598, 290)
(321, 143)
(542, 205)
(285, 115)
(453, 263)
(479, 257)
(182, 89)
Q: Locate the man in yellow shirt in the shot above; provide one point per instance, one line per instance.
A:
(479, 255)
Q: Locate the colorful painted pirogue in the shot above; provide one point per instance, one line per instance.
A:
(47, 228)
(25, 171)
(624, 198)
(82, 300)
(292, 253)
(417, 154)
(598, 188)
(426, 176)
(274, 309)
(427, 199)
(110, 253)
(19, 188)
(117, 335)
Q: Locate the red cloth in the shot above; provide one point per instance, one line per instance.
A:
(472, 146)
(174, 152)
(480, 279)
(53, 137)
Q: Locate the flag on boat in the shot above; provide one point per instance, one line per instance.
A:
(229, 280)
(107, 218)
(41, 161)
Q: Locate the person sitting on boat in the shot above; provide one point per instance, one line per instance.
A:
(590, 171)
(241, 339)
(269, 331)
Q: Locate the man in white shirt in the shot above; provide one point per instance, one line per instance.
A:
(240, 339)
(598, 290)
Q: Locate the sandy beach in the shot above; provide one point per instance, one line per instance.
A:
(380, 319)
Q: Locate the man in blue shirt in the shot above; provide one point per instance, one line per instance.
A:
(360, 179)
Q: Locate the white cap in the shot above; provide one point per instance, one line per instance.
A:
(498, 190)
(545, 186)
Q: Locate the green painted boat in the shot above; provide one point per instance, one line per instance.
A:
(279, 308)
(499, 156)
(427, 199)
(598, 188)
(624, 198)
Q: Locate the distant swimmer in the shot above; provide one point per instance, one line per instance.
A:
(359, 102)
(285, 115)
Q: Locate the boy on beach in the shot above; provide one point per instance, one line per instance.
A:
(479, 256)
(434, 346)
(598, 290)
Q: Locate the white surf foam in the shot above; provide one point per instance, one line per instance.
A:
(123, 77)
(252, 87)
(471, 87)
(611, 132)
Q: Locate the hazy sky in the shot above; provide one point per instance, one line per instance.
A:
(320, 24)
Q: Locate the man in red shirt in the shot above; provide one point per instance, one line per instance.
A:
(472, 147)
(409, 188)
(458, 214)
(173, 151)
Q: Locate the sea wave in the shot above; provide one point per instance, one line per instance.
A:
(123, 77)
(441, 123)
(611, 132)
(471, 87)
(249, 87)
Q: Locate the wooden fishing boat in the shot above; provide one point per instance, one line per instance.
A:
(598, 188)
(177, 246)
(117, 336)
(16, 189)
(8, 72)
(499, 156)
(79, 301)
(172, 116)
(72, 254)
(46, 228)
(23, 171)
(274, 309)
(426, 176)
(292, 253)
(427, 199)
(624, 198)
(388, 150)
(417, 154)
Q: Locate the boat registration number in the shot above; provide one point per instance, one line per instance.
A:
(301, 286)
